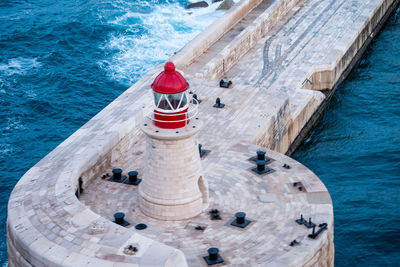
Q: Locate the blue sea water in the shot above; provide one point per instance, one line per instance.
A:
(62, 61)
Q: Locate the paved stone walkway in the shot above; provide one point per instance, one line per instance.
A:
(270, 201)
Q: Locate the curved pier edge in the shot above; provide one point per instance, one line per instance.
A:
(53, 228)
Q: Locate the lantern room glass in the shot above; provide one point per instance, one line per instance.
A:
(170, 102)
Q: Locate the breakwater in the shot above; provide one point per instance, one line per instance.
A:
(275, 127)
(353, 150)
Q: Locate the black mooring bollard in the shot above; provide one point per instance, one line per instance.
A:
(133, 176)
(261, 169)
(119, 218)
(240, 217)
(240, 220)
(213, 253)
(260, 155)
(260, 165)
(213, 257)
(117, 174)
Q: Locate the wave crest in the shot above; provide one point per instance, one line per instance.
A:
(145, 39)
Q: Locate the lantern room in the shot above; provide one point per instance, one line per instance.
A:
(170, 99)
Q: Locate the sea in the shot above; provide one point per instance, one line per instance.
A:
(61, 62)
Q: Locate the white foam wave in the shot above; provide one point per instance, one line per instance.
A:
(19, 66)
(149, 38)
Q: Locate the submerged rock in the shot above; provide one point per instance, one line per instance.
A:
(227, 4)
(197, 4)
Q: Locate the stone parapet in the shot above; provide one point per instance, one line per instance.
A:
(325, 77)
(213, 33)
(273, 13)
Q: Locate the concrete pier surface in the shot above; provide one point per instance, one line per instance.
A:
(284, 58)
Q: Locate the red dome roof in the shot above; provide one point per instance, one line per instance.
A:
(169, 81)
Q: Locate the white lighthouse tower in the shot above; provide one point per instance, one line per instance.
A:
(173, 187)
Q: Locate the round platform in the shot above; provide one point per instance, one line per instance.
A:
(272, 202)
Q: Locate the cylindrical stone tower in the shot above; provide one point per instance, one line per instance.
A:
(173, 187)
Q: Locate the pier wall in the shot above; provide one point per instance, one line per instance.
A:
(324, 256)
(213, 33)
(327, 76)
(246, 39)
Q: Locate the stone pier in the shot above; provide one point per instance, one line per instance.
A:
(284, 58)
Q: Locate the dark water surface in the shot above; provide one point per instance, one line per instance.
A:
(355, 150)
(62, 61)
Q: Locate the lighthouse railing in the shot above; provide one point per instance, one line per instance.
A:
(191, 113)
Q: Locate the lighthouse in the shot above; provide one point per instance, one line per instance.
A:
(173, 186)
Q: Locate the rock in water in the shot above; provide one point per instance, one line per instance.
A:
(227, 4)
(197, 4)
(215, 1)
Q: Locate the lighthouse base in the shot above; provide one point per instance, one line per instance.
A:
(170, 212)
(173, 186)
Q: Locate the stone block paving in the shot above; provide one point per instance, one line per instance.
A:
(269, 201)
